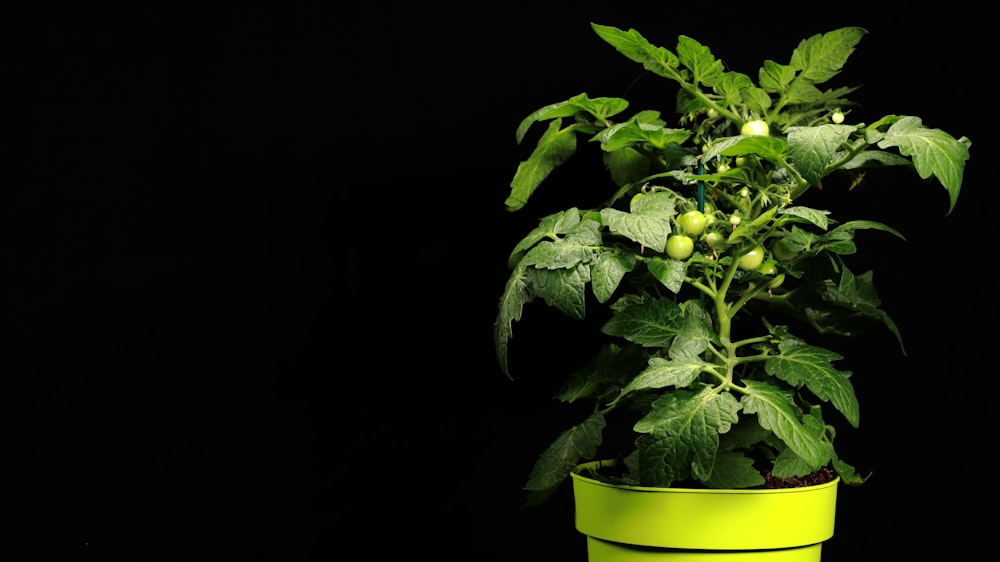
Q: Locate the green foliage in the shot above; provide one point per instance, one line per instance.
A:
(714, 393)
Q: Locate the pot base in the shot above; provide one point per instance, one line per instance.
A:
(605, 551)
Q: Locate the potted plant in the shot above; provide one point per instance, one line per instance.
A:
(713, 262)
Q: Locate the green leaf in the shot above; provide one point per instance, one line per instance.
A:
(813, 216)
(573, 446)
(605, 375)
(774, 77)
(599, 109)
(607, 271)
(553, 149)
(551, 226)
(800, 364)
(632, 132)
(933, 151)
(648, 223)
(813, 149)
(669, 272)
(578, 246)
(650, 323)
(769, 148)
(821, 57)
(733, 471)
(515, 296)
(562, 289)
(682, 438)
(633, 45)
(775, 411)
(788, 464)
(665, 372)
(731, 85)
(705, 68)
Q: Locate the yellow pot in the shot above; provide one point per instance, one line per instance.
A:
(641, 524)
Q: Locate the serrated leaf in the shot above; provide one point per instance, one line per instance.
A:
(633, 45)
(607, 271)
(578, 246)
(776, 412)
(821, 57)
(651, 323)
(649, 229)
(705, 68)
(775, 77)
(553, 225)
(633, 132)
(553, 149)
(515, 296)
(933, 151)
(731, 85)
(813, 216)
(801, 364)
(663, 372)
(562, 289)
(769, 148)
(569, 449)
(669, 272)
(682, 438)
(733, 471)
(812, 149)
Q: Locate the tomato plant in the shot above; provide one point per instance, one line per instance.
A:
(698, 317)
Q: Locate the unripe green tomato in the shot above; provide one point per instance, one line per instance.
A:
(752, 259)
(692, 222)
(755, 128)
(722, 168)
(680, 246)
(712, 113)
(636, 197)
(777, 281)
(768, 267)
(714, 239)
(734, 220)
(782, 252)
(837, 117)
(741, 161)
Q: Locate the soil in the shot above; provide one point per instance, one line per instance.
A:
(821, 476)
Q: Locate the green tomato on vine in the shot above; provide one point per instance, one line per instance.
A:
(680, 246)
(755, 128)
(692, 222)
(752, 259)
(714, 239)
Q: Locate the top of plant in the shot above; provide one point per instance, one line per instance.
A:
(708, 254)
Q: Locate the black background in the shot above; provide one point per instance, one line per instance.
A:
(253, 259)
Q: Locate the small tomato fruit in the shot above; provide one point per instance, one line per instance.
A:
(752, 259)
(782, 252)
(714, 239)
(755, 128)
(837, 117)
(693, 222)
(680, 246)
(768, 267)
(636, 197)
